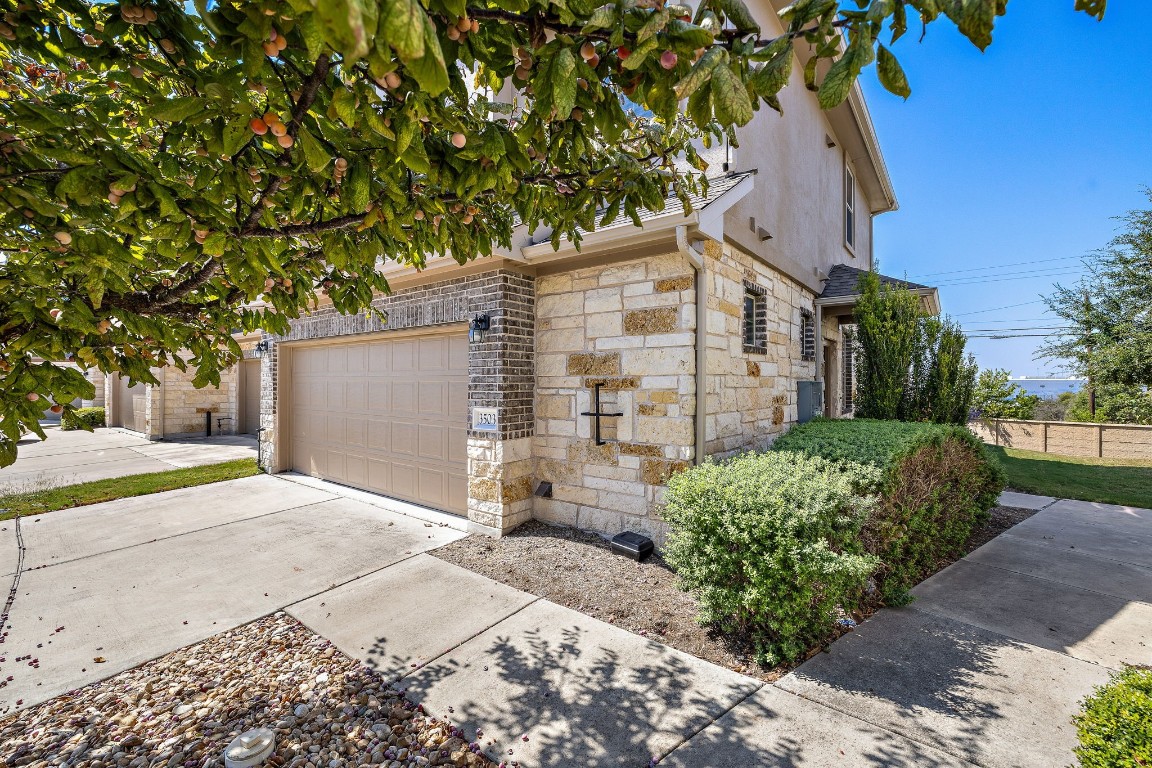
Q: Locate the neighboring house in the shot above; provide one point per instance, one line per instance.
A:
(474, 389)
(178, 409)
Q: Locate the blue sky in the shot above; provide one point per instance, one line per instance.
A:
(1019, 154)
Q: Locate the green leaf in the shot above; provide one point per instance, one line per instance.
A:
(402, 24)
(603, 17)
(430, 70)
(974, 18)
(838, 82)
(771, 78)
(730, 98)
(315, 155)
(357, 187)
(701, 71)
(891, 73)
(737, 13)
(657, 20)
(215, 244)
(177, 110)
(349, 24)
(564, 83)
(1092, 7)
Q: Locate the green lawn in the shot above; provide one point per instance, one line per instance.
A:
(51, 499)
(1111, 481)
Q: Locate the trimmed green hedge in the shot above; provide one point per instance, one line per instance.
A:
(936, 486)
(840, 516)
(82, 418)
(1115, 726)
(770, 543)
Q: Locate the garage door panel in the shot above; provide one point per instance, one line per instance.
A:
(387, 415)
(433, 442)
(458, 401)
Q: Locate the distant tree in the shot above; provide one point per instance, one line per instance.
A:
(910, 366)
(1115, 404)
(996, 397)
(1109, 314)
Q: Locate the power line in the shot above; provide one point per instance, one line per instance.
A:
(1034, 328)
(978, 278)
(1012, 336)
(997, 266)
(997, 309)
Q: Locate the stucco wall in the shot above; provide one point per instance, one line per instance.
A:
(751, 395)
(629, 327)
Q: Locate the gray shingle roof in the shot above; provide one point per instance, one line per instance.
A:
(844, 280)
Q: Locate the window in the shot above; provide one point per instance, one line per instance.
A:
(755, 329)
(849, 208)
(807, 335)
(848, 370)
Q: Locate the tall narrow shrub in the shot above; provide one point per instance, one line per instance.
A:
(911, 366)
(887, 323)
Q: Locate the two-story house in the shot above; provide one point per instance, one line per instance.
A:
(569, 385)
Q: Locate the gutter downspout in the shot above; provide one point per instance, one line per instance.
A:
(697, 262)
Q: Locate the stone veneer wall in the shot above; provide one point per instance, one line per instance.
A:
(630, 327)
(751, 395)
(500, 375)
(185, 406)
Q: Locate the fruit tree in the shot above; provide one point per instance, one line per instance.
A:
(162, 167)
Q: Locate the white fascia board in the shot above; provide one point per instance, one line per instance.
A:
(709, 222)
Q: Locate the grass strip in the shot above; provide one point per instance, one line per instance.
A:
(1109, 481)
(97, 491)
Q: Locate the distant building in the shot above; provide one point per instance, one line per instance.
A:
(1049, 387)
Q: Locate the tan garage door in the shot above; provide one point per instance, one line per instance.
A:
(387, 415)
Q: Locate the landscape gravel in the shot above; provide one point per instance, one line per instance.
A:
(181, 711)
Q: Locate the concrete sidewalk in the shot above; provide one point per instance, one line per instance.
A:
(77, 456)
(986, 667)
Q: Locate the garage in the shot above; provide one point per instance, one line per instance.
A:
(131, 404)
(384, 414)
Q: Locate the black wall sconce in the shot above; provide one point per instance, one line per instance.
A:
(478, 327)
(260, 349)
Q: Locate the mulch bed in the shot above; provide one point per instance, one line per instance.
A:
(578, 570)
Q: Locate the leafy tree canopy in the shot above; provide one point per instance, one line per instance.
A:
(1108, 312)
(996, 397)
(164, 169)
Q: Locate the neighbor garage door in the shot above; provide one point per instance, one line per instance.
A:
(385, 415)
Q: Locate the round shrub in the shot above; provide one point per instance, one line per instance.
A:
(770, 544)
(1115, 725)
(936, 484)
(82, 418)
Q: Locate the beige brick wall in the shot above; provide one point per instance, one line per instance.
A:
(630, 327)
(1108, 441)
(184, 406)
(751, 396)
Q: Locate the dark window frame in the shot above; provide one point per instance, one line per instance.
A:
(754, 321)
(807, 335)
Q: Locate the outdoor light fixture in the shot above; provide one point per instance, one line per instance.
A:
(260, 348)
(478, 327)
(250, 748)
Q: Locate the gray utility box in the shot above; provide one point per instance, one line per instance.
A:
(809, 400)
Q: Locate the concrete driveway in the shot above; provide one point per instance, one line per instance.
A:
(77, 456)
(986, 668)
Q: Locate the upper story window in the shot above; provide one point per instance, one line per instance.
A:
(807, 335)
(755, 326)
(849, 208)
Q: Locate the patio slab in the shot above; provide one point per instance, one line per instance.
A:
(775, 728)
(1041, 560)
(974, 694)
(129, 605)
(1085, 624)
(407, 615)
(1024, 500)
(550, 686)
